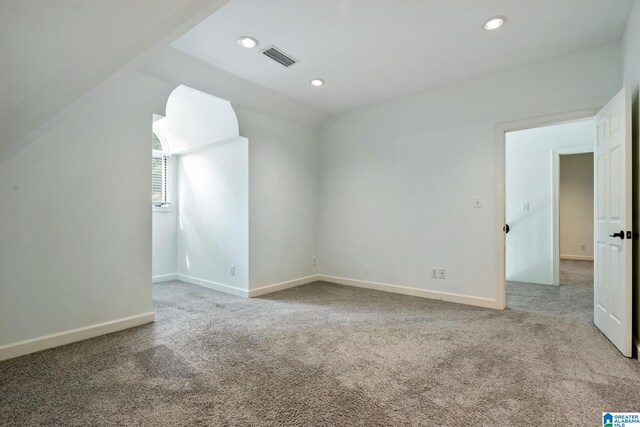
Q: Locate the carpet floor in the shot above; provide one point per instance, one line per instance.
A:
(576, 273)
(330, 355)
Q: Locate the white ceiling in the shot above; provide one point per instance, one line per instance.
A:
(368, 51)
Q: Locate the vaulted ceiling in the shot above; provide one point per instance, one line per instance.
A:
(368, 51)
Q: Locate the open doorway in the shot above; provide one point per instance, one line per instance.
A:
(611, 295)
(575, 205)
(549, 194)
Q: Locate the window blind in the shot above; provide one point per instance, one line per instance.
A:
(159, 179)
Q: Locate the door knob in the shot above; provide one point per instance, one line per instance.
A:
(620, 235)
(506, 228)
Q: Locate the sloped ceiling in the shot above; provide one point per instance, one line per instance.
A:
(55, 52)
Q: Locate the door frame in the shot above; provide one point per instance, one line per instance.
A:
(501, 130)
(555, 191)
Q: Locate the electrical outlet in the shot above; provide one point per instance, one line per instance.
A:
(477, 203)
(315, 262)
(583, 247)
(232, 270)
(434, 273)
(442, 273)
(525, 207)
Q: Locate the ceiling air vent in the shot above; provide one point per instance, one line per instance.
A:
(279, 56)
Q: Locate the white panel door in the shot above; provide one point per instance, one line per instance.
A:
(612, 265)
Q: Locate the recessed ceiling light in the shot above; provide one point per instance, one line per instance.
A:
(495, 23)
(317, 82)
(248, 42)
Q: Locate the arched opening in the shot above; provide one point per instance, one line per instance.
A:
(200, 168)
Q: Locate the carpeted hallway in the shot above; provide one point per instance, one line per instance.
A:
(325, 354)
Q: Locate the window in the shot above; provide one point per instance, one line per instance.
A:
(159, 179)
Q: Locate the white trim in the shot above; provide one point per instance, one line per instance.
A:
(555, 191)
(417, 292)
(385, 287)
(214, 285)
(62, 338)
(500, 141)
(283, 285)
(211, 144)
(160, 154)
(163, 139)
(164, 278)
(576, 257)
(163, 209)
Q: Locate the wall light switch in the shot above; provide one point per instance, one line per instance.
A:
(232, 270)
(525, 207)
(477, 203)
(434, 273)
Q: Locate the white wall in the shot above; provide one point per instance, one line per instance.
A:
(164, 231)
(283, 199)
(283, 171)
(528, 180)
(213, 209)
(576, 206)
(283, 204)
(398, 179)
(75, 235)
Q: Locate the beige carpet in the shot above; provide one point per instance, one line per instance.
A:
(329, 355)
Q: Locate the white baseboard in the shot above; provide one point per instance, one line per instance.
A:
(214, 285)
(164, 278)
(62, 338)
(282, 285)
(576, 257)
(417, 292)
